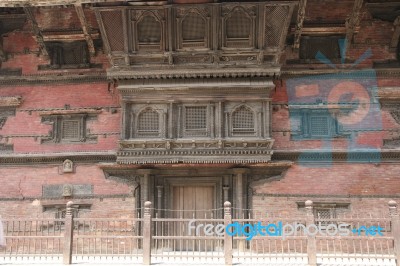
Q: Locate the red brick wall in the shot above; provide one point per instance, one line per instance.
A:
(36, 99)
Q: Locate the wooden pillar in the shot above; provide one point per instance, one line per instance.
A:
(240, 188)
(146, 186)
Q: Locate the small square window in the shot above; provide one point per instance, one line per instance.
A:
(70, 130)
(319, 126)
(67, 128)
(195, 123)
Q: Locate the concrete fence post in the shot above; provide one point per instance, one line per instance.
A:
(147, 233)
(311, 240)
(395, 223)
(227, 238)
(68, 236)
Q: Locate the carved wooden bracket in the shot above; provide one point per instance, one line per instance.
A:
(353, 21)
(396, 33)
(299, 23)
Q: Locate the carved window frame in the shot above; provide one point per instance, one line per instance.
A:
(304, 131)
(182, 44)
(144, 134)
(238, 133)
(56, 134)
(148, 47)
(232, 43)
(132, 120)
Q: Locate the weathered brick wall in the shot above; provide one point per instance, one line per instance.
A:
(100, 208)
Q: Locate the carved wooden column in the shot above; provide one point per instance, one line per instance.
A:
(159, 200)
(226, 193)
(240, 195)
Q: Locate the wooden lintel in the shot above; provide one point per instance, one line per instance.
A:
(299, 23)
(396, 33)
(323, 30)
(67, 37)
(36, 30)
(353, 21)
(85, 29)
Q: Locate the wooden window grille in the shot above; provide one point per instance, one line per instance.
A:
(319, 126)
(149, 33)
(70, 130)
(195, 121)
(243, 121)
(238, 29)
(238, 26)
(148, 123)
(193, 28)
(324, 216)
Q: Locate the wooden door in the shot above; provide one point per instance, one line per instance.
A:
(192, 202)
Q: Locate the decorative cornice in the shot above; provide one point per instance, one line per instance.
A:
(176, 72)
(194, 151)
(57, 158)
(55, 78)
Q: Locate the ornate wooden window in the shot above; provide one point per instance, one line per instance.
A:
(194, 30)
(148, 123)
(149, 33)
(67, 129)
(243, 122)
(195, 122)
(314, 124)
(239, 29)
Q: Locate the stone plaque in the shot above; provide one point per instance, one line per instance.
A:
(57, 191)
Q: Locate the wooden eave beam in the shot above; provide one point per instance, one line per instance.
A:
(54, 37)
(353, 21)
(36, 30)
(85, 29)
(396, 34)
(299, 23)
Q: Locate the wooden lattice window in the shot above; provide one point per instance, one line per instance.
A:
(148, 123)
(71, 130)
(149, 33)
(68, 128)
(238, 29)
(319, 126)
(195, 120)
(243, 121)
(193, 28)
(314, 124)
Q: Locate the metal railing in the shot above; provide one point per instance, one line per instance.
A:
(153, 239)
